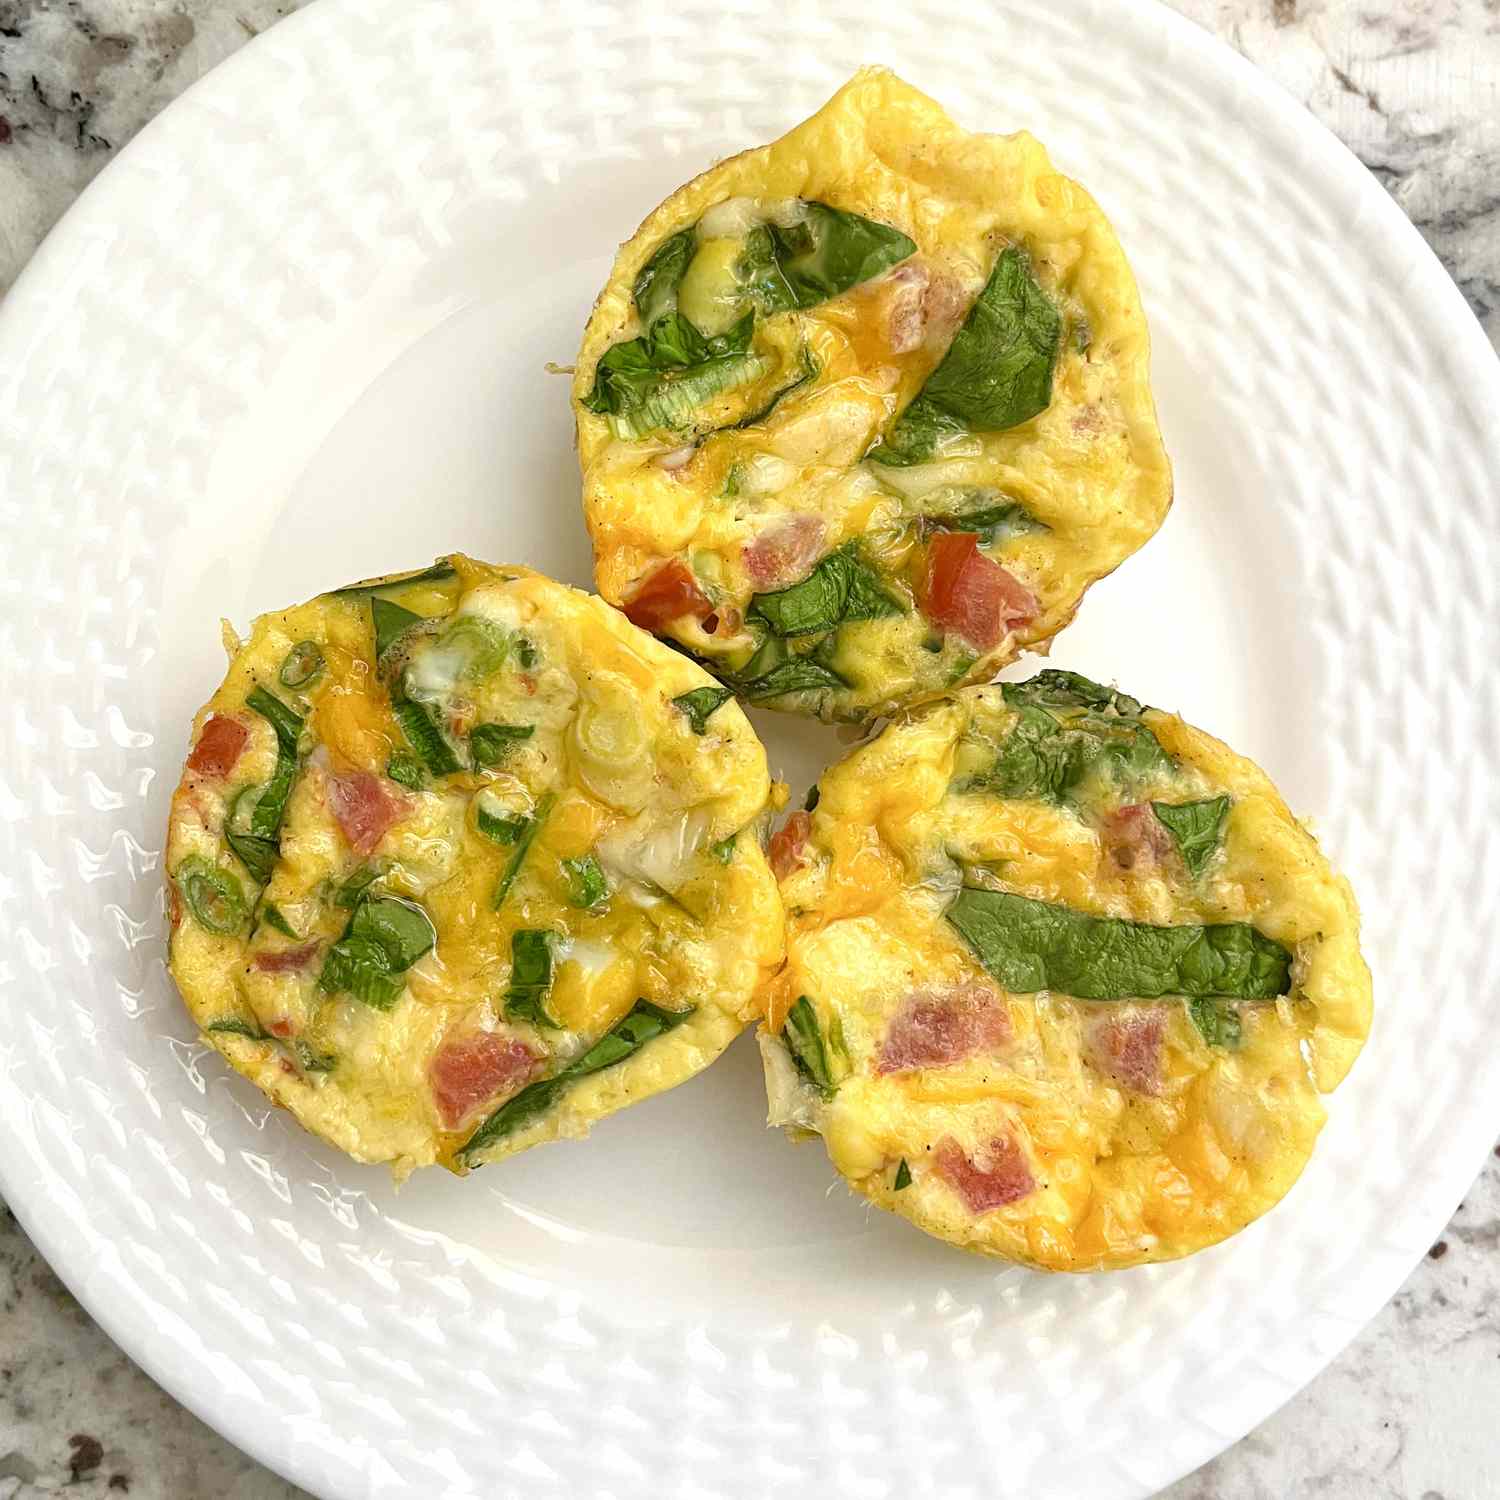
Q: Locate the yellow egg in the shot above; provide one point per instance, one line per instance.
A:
(864, 412)
(1066, 981)
(456, 868)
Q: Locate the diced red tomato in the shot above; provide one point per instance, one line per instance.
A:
(365, 806)
(786, 553)
(219, 747)
(997, 1174)
(1133, 837)
(668, 594)
(472, 1070)
(785, 850)
(1128, 1049)
(972, 595)
(284, 960)
(281, 1027)
(935, 1028)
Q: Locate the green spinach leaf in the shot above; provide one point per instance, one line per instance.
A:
(405, 770)
(842, 587)
(391, 621)
(530, 978)
(723, 851)
(903, 1176)
(996, 374)
(439, 572)
(1033, 945)
(384, 938)
(701, 704)
(657, 281)
(265, 821)
(824, 253)
(234, 1026)
(271, 915)
(643, 1024)
(661, 378)
(1196, 827)
(356, 887)
(797, 674)
(489, 744)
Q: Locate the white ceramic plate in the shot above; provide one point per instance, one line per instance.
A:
(297, 334)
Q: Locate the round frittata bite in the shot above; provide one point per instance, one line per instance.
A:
(1065, 978)
(864, 412)
(461, 861)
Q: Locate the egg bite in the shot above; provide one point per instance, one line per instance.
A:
(1066, 980)
(864, 412)
(461, 861)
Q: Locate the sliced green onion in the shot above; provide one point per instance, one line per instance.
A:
(489, 744)
(426, 738)
(523, 844)
(213, 896)
(303, 665)
(587, 886)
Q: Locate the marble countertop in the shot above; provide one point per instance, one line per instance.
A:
(1409, 1410)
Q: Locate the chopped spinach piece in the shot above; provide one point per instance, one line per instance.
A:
(1196, 828)
(424, 737)
(804, 1040)
(530, 978)
(213, 896)
(1219, 1024)
(842, 587)
(384, 938)
(587, 886)
(723, 851)
(391, 621)
(661, 378)
(903, 1176)
(990, 515)
(271, 915)
(303, 665)
(996, 374)
(823, 254)
(797, 674)
(643, 1024)
(312, 1061)
(657, 281)
(524, 841)
(439, 572)
(1061, 692)
(1068, 728)
(405, 769)
(489, 744)
(265, 821)
(1033, 945)
(498, 828)
(701, 704)
(234, 1026)
(355, 888)
(258, 855)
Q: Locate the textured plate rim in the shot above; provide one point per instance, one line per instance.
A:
(25, 314)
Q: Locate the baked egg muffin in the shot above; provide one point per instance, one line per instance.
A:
(864, 412)
(462, 861)
(1066, 981)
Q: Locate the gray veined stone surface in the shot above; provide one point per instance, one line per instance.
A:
(1411, 1410)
